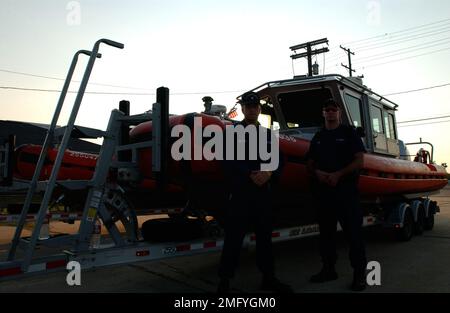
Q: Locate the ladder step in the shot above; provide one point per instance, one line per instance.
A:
(136, 119)
(139, 145)
(80, 132)
(20, 185)
(123, 165)
(74, 184)
(53, 241)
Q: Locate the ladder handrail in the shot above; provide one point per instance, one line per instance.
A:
(57, 164)
(65, 141)
(43, 154)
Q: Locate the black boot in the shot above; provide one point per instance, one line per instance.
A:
(224, 286)
(271, 283)
(359, 280)
(327, 273)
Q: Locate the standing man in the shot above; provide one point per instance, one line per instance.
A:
(334, 159)
(250, 203)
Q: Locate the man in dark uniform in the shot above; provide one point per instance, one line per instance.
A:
(249, 203)
(334, 159)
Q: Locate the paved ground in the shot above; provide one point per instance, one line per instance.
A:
(420, 265)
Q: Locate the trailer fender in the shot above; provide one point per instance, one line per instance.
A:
(415, 206)
(431, 207)
(397, 215)
(434, 208)
(426, 206)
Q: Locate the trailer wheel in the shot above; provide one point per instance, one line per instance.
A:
(429, 222)
(122, 209)
(419, 224)
(406, 232)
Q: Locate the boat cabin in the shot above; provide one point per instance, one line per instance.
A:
(294, 108)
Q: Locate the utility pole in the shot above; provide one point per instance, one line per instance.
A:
(349, 67)
(309, 52)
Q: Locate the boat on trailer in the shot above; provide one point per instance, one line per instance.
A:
(135, 170)
(292, 108)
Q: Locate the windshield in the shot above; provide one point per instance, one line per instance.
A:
(302, 109)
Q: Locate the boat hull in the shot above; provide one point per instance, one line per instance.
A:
(202, 182)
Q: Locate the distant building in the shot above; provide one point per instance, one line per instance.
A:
(33, 133)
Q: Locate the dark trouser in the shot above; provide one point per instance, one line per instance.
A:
(243, 211)
(341, 204)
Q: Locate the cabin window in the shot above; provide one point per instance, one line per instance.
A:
(354, 108)
(389, 122)
(302, 109)
(275, 125)
(377, 122)
(265, 120)
(268, 118)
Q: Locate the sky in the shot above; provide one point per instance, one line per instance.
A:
(221, 49)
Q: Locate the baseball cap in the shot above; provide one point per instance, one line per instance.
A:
(250, 98)
(329, 102)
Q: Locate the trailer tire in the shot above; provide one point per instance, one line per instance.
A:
(406, 232)
(429, 222)
(419, 224)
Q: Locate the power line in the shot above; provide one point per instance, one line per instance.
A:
(72, 91)
(118, 93)
(63, 79)
(414, 90)
(236, 91)
(421, 124)
(394, 41)
(422, 46)
(392, 37)
(138, 88)
(397, 60)
(403, 39)
(397, 32)
(424, 119)
(372, 59)
(99, 84)
(186, 93)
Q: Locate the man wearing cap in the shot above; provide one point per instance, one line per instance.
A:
(249, 204)
(334, 159)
